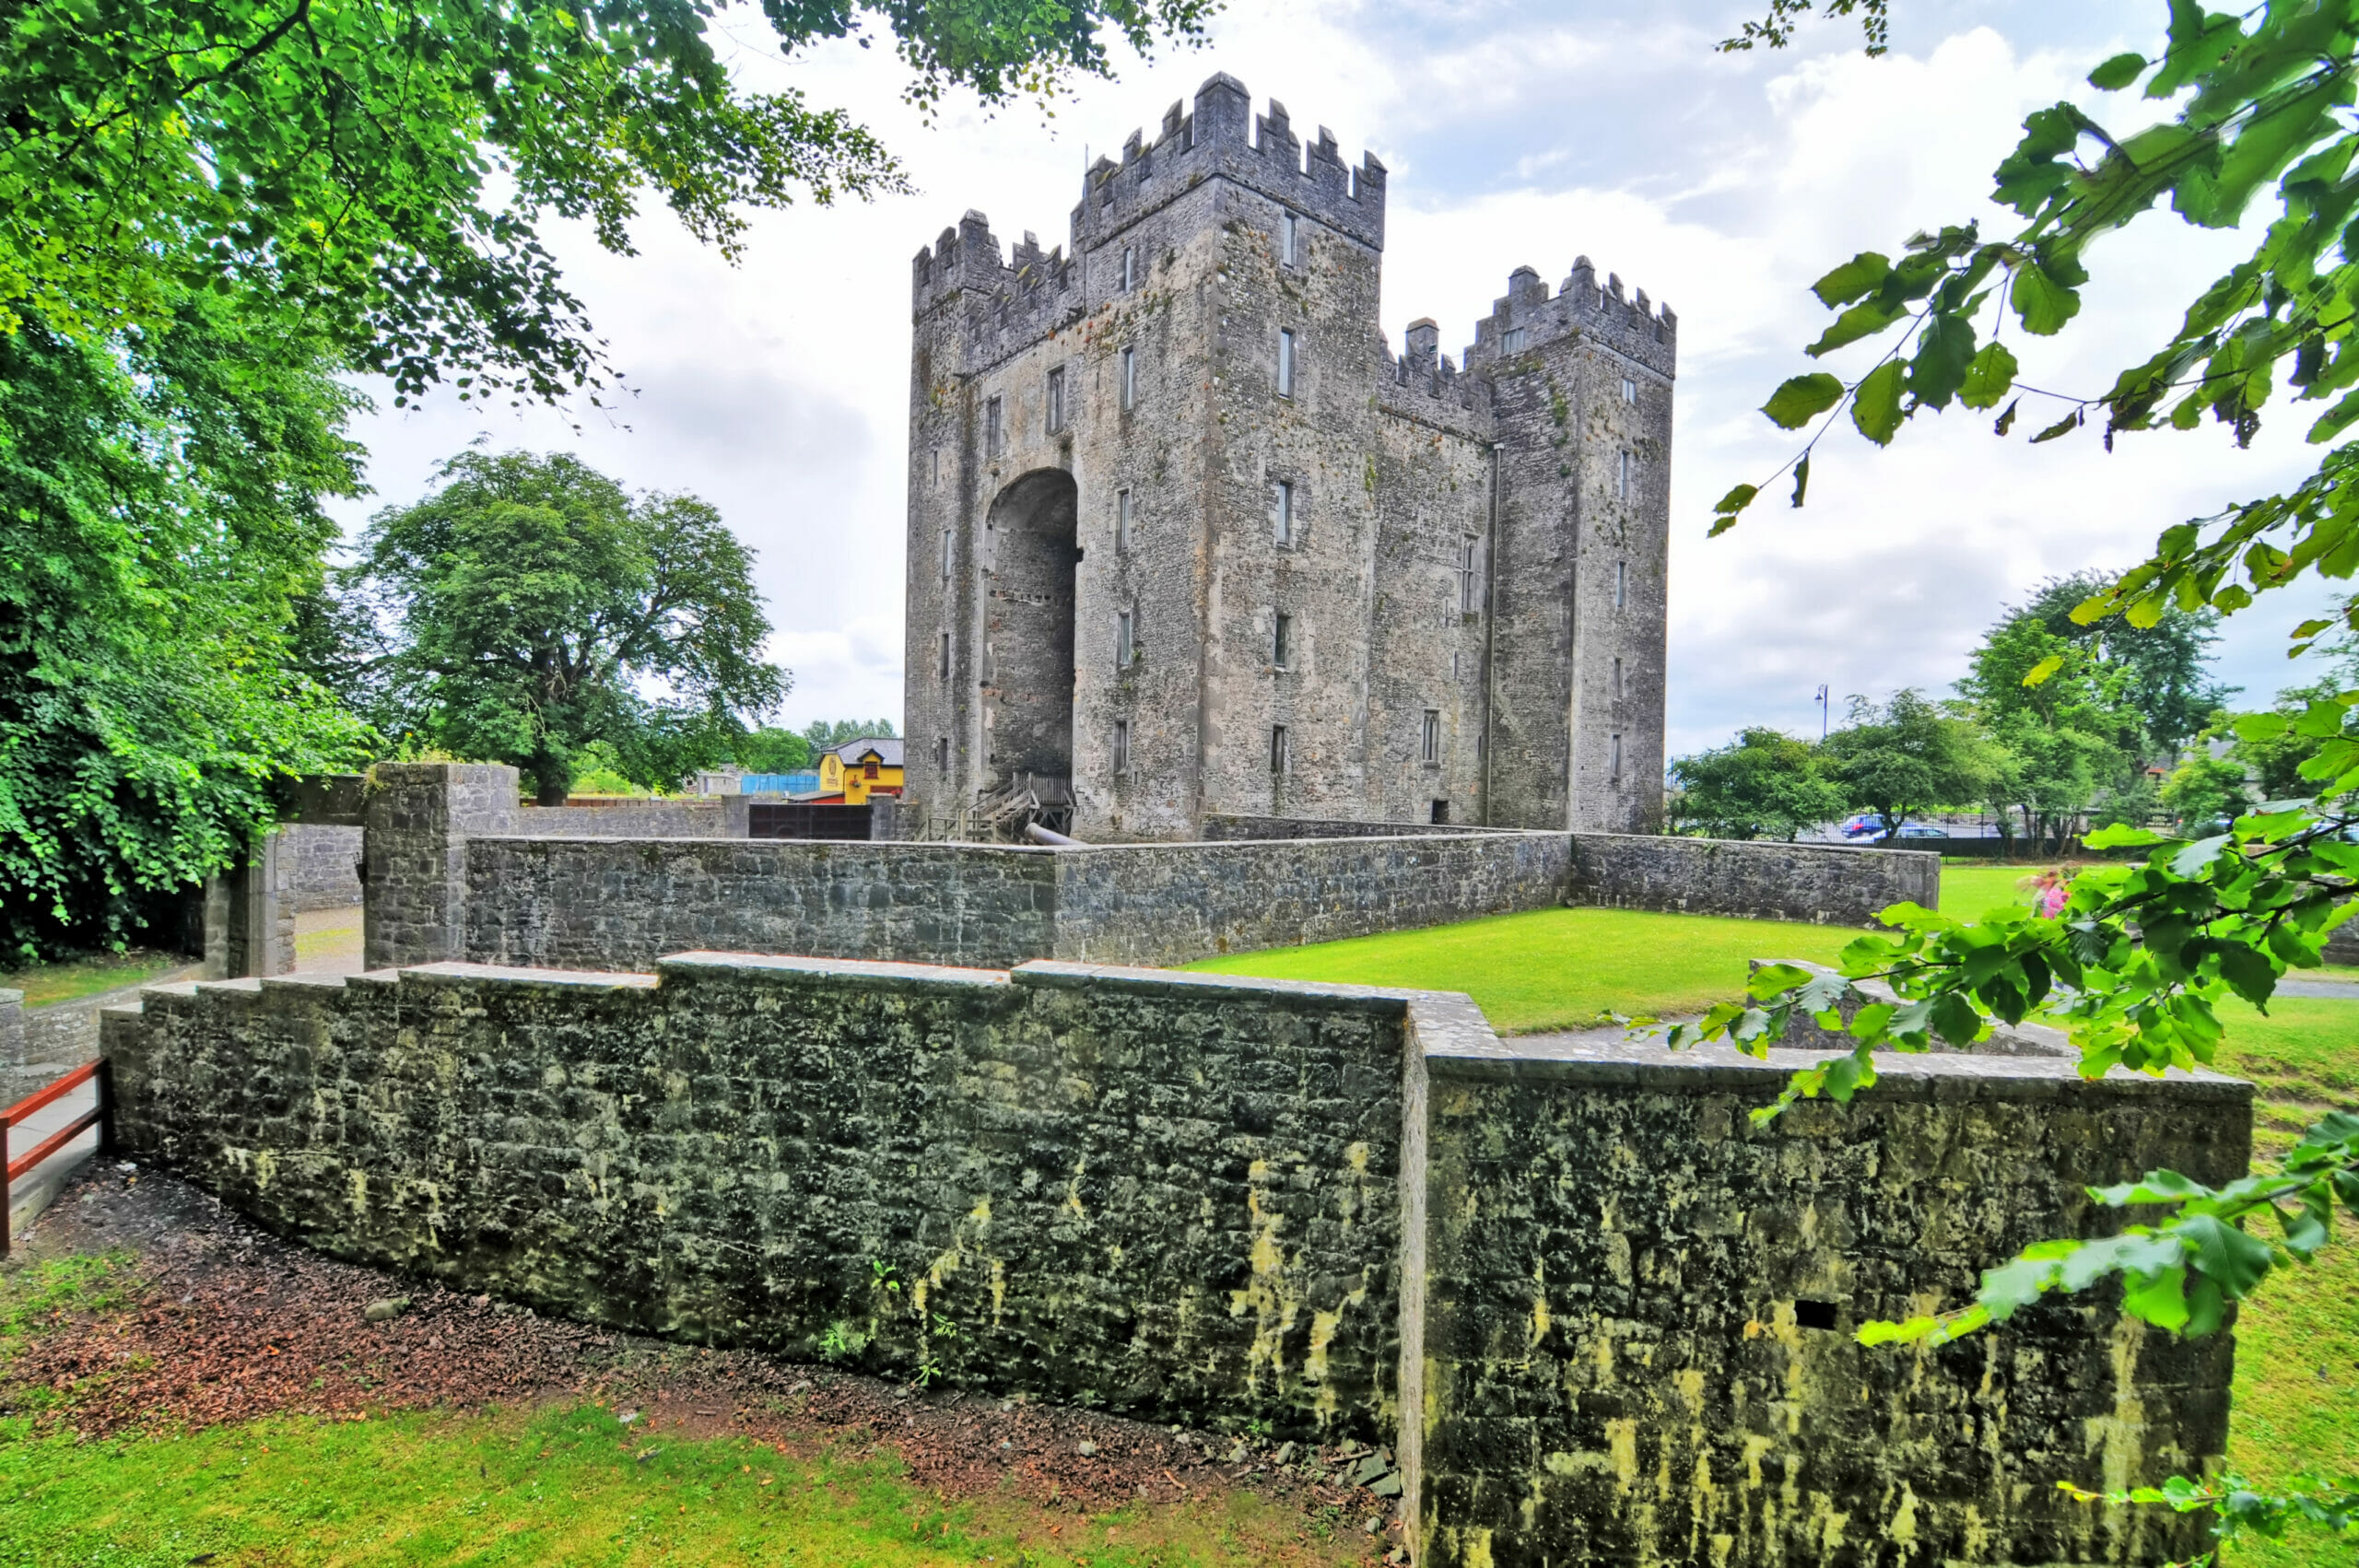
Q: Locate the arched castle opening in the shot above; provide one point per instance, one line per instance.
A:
(1027, 690)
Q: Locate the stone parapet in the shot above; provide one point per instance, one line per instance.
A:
(420, 815)
(1829, 884)
(1602, 1316)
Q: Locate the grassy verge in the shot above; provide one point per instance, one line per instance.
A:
(69, 980)
(563, 1485)
(1556, 968)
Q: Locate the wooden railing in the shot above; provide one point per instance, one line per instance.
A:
(100, 1116)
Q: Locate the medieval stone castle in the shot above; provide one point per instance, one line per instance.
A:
(1186, 538)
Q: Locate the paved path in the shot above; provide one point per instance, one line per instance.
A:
(30, 1194)
(2347, 990)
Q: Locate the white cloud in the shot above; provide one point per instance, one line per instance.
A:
(1722, 183)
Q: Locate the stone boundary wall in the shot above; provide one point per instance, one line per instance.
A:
(2342, 943)
(1615, 1313)
(718, 816)
(1176, 1199)
(324, 872)
(1826, 885)
(1224, 827)
(608, 904)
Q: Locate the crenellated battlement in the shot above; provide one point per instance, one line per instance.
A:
(1630, 325)
(1225, 138)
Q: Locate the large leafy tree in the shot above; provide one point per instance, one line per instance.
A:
(1907, 755)
(382, 164)
(158, 515)
(1763, 784)
(2251, 102)
(533, 608)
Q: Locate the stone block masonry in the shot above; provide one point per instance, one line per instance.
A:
(1603, 1317)
(1829, 884)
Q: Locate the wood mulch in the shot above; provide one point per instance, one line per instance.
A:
(226, 1323)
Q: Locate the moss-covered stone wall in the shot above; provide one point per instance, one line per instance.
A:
(1640, 1312)
(1166, 1195)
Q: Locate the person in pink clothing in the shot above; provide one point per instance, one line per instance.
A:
(2049, 894)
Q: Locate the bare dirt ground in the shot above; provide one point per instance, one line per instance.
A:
(226, 1322)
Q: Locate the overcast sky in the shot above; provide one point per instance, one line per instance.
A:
(1514, 134)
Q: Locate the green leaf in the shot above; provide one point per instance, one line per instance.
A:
(1734, 502)
(1772, 978)
(2042, 303)
(1988, 379)
(2118, 71)
(1803, 399)
(1866, 319)
(2159, 1299)
(1801, 479)
(2223, 1253)
(1875, 403)
(2037, 676)
(1944, 356)
(2064, 427)
(1861, 275)
(2006, 421)
(2191, 861)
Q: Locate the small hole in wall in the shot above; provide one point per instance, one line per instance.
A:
(1814, 1315)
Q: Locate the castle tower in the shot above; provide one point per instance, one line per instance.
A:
(1186, 540)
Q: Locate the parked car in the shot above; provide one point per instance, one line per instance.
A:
(1922, 830)
(1860, 826)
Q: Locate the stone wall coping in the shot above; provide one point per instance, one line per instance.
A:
(452, 972)
(1938, 1075)
(829, 971)
(1056, 974)
(9, 997)
(1447, 1025)
(921, 847)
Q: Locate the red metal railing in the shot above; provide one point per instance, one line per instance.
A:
(100, 1116)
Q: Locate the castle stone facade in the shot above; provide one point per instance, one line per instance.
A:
(1186, 538)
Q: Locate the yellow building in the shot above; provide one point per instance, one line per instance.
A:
(857, 769)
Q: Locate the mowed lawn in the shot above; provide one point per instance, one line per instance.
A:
(568, 1485)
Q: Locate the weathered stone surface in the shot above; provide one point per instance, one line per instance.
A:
(1486, 545)
(1831, 885)
(1595, 1287)
(1623, 1273)
(610, 904)
(1169, 1195)
(323, 865)
(420, 815)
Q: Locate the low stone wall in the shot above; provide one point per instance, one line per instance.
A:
(716, 816)
(1615, 1313)
(1651, 1359)
(587, 903)
(1829, 884)
(1228, 828)
(324, 868)
(603, 904)
(1175, 1198)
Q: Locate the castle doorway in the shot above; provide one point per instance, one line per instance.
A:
(1028, 691)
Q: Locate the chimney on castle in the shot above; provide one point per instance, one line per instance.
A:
(1423, 342)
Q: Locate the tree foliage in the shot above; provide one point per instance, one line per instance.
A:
(532, 607)
(382, 164)
(1765, 784)
(2136, 963)
(1907, 756)
(158, 515)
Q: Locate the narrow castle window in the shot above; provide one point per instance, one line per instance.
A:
(1285, 364)
(1621, 584)
(1511, 340)
(1130, 268)
(1056, 400)
(1121, 522)
(1281, 510)
(1129, 377)
(937, 468)
(942, 754)
(1467, 602)
(946, 656)
(1125, 641)
(1121, 746)
(1614, 761)
(1430, 741)
(1621, 479)
(1441, 812)
(1617, 677)
(945, 554)
(1290, 242)
(1282, 640)
(991, 426)
(1277, 748)
(1629, 389)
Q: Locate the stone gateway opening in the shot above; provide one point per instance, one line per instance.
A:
(1028, 687)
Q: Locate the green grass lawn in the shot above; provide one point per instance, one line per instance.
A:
(563, 1485)
(68, 979)
(1556, 968)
